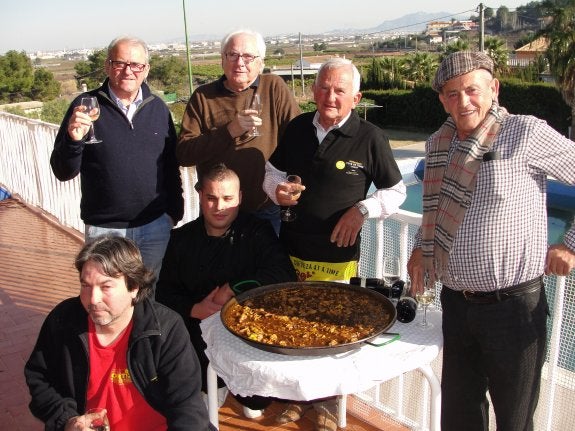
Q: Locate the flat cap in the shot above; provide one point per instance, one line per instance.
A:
(460, 63)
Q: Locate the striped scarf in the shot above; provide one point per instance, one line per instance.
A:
(448, 186)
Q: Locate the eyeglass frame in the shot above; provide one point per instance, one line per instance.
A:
(134, 67)
(235, 56)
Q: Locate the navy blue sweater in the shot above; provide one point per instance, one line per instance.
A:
(130, 178)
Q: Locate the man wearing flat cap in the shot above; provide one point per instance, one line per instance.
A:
(484, 238)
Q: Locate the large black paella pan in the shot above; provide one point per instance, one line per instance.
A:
(308, 318)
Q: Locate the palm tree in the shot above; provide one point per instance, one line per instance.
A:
(560, 54)
(420, 67)
(497, 50)
(458, 45)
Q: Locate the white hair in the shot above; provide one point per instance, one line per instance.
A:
(338, 62)
(130, 40)
(260, 42)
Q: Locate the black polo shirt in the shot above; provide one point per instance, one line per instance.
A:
(337, 173)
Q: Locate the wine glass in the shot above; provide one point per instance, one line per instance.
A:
(98, 419)
(287, 214)
(255, 104)
(93, 110)
(391, 270)
(425, 298)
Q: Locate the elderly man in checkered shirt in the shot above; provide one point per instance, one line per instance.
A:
(484, 237)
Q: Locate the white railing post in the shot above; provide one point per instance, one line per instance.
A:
(554, 346)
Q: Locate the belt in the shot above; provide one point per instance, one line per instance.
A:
(481, 297)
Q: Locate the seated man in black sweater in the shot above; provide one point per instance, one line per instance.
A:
(220, 253)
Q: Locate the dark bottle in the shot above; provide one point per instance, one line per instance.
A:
(379, 285)
(376, 284)
(397, 289)
(367, 282)
(406, 308)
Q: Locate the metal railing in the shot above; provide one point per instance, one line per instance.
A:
(26, 145)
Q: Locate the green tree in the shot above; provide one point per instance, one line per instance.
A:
(45, 86)
(91, 72)
(374, 75)
(319, 47)
(561, 50)
(170, 73)
(385, 73)
(16, 76)
(54, 110)
(504, 18)
(420, 67)
(496, 48)
(458, 45)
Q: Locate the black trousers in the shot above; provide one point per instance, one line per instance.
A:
(499, 348)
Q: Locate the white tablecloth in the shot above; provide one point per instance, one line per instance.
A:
(250, 371)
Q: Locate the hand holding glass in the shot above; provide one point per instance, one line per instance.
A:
(93, 111)
(287, 214)
(255, 104)
(97, 419)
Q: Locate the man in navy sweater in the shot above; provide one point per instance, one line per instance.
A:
(131, 183)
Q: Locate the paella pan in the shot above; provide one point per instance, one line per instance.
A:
(308, 318)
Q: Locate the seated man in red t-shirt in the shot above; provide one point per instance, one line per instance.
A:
(114, 347)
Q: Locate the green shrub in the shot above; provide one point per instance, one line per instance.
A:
(420, 109)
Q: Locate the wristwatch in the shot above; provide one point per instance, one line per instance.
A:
(362, 209)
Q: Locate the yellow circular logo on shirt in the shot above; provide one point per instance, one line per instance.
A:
(340, 164)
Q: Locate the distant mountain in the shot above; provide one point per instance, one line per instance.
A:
(412, 23)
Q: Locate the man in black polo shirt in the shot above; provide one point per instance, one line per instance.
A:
(338, 156)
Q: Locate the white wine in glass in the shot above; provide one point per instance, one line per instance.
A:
(425, 298)
(287, 214)
(93, 111)
(255, 104)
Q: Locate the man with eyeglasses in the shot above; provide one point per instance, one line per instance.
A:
(216, 127)
(131, 184)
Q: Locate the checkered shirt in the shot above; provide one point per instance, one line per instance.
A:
(502, 240)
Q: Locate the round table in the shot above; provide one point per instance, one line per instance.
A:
(247, 370)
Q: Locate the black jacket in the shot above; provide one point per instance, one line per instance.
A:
(162, 365)
(130, 178)
(195, 263)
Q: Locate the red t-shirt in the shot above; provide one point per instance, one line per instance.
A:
(110, 386)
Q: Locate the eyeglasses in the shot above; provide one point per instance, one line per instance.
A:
(247, 58)
(121, 65)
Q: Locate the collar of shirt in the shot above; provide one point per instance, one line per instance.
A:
(129, 110)
(321, 132)
(223, 78)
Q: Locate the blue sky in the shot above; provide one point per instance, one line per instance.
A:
(33, 25)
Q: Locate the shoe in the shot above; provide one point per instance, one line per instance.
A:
(326, 415)
(292, 413)
(252, 414)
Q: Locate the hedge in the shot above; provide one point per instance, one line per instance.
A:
(420, 109)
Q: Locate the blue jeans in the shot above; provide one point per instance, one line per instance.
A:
(152, 239)
(498, 347)
(270, 213)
